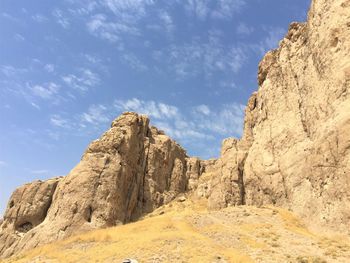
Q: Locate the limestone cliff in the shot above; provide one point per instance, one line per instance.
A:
(294, 152)
(131, 170)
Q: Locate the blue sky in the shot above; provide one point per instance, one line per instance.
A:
(68, 68)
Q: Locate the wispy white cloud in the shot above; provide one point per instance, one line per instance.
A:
(95, 118)
(126, 9)
(236, 58)
(83, 7)
(49, 68)
(61, 19)
(19, 37)
(35, 105)
(219, 9)
(61, 89)
(7, 70)
(274, 37)
(39, 18)
(200, 122)
(270, 41)
(127, 20)
(11, 17)
(10, 71)
(58, 121)
(96, 62)
(244, 30)
(228, 84)
(198, 7)
(151, 108)
(205, 58)
(84, 81)
(15, 82)
(99, 26)
(189, 126)
(202, 109)
(162, 24)
(92, 59)
(45, 91)
(132, 61)
(164, 116)
(96, 114)
(226, 121)
(227, 8)
(166, 21)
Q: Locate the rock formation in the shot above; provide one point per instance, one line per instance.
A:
(131, 170)
(294, 152)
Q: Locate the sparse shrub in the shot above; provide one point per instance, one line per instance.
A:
(318, 260)
(275, 245)
(301, 259)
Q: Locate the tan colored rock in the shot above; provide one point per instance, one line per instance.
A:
(294, 152)
(131, 170)
(195, 168)
(27, 208)
(223, 181)
(300, 158)
(202, 187)
(295, 149)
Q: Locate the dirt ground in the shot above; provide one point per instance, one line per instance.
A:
(186, 232)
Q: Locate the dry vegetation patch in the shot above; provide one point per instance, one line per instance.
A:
(187, 232)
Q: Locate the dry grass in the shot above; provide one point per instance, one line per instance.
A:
(187, 232)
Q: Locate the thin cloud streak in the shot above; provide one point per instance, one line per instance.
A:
(84, 81)
(188, 126)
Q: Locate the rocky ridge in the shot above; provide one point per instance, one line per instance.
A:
(131, 170)
(294, 152)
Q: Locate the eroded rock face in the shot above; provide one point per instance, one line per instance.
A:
(223, 180)
(300, 155)
(27, 208)
(295, 151)
(131, 170)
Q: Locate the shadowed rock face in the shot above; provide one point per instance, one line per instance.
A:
(131, 170)
(294, 152)
(27, 208)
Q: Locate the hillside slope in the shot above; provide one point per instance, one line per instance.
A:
(188, 232)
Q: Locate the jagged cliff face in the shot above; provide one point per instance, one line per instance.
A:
(131, 170)
(294, 153)
(300, 156)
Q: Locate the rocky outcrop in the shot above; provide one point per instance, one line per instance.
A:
(27, 209)
(294, 152)
(225, 184)
(131, 170)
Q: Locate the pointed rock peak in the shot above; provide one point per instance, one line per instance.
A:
(127, 118)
